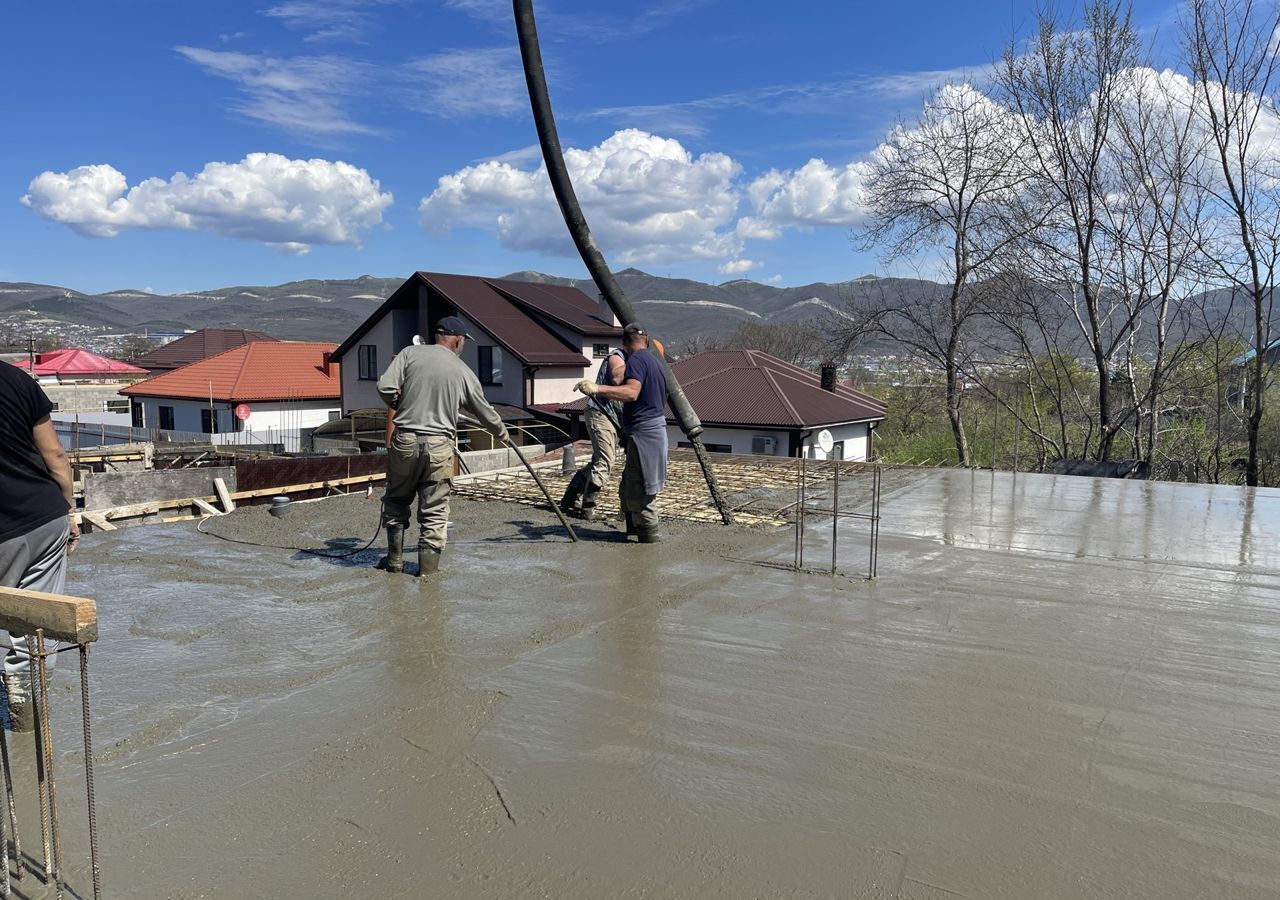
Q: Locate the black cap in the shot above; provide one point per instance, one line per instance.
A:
(453, 326)
(634, 328)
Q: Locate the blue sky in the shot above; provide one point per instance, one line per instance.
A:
(177, 146)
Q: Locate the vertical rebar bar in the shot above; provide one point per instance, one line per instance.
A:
(5, 886)
(795, 551)
(11, 806)
(88, 772)
(804, 499)
(42, 668)
(835, 512)
(42, 788)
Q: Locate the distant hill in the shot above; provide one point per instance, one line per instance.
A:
(331, 309)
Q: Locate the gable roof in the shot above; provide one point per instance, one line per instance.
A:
(747, 387)
(199, 345)
(261, 370)
(74, 361)
(504, 310)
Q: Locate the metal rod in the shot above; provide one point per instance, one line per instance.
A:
(835, 513)
(6, 889)
(558, 174)
(42, 667)
(42, 789)
(12, 807)
(555, 507)
(88, 771)
(804, 499)
(795, 551)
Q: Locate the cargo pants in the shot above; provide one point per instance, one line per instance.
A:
(35, 561)
(604, 447)
(633, 494)
(422, 465)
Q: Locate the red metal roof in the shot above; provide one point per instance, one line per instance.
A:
(70, 361)
(566, 305)
(747, 387)
(755, 390)
(198, 345)
(262, 370)
(510, 325)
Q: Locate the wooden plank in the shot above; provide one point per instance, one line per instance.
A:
(63, 618)
(228, 505)
(98, 521)
(205, 506)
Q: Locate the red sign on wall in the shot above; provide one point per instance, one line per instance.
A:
(242, 411)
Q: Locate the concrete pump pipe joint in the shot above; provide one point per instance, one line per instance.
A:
(553, 157)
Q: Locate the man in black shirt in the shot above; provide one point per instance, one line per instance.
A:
(37, 529)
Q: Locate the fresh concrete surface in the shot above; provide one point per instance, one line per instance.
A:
(1058, 688)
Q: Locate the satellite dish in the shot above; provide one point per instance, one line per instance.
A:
(826, 441)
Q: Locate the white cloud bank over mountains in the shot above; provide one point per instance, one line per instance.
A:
(288, 204)
(648, 199)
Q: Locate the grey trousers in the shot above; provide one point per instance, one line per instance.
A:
(631, 493)
(604, 447)
(35, 561)
(417, 464)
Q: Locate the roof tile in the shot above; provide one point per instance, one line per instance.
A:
(261, 370)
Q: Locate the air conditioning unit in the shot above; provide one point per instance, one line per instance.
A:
(764, 445)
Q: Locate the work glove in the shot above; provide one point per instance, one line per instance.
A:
(587, 386)
(503, 436)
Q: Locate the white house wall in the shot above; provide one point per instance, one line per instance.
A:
(554, 384)
(740, 440)
(390, 334)
(511, 391)
(267, 422)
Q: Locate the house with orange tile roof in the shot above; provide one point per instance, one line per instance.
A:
(269, 392)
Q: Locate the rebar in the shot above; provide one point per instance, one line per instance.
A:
(5, 887)
(11, 807)
(42, 666)
(88, 771)
(835, 513)
(41, 774)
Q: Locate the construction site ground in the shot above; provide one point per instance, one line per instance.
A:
(1057, 688)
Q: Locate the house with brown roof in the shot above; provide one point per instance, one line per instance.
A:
(753, 403)
(196, 346)
(267, 392)
(533, 342)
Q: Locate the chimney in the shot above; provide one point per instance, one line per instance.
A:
(829, 376)
(328, 364)
(606, 311)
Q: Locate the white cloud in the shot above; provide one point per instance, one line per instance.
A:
(288, 204)
(473, 82)
(304, 95)
(648, 199)
(773, 279)
(329, 20)
(739, 266)
(813, 195)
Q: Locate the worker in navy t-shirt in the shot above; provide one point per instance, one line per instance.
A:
(37, 529)
(643, 393)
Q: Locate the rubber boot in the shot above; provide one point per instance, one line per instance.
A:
(22, 712)
(428, 560)
(394, 560)
(631, 524)
(648, 535)
(589, 502)
(571, 502)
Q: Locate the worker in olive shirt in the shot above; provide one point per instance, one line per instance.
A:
(37, 529)
(427, 385)
(643, 393)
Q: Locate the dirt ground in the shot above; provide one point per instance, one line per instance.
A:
(1057, 688)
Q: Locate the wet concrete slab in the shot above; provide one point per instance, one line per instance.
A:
(1058, 687)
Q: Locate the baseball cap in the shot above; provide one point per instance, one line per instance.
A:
(452, 325)
(633, 328)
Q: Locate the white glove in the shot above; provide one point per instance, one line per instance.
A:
(587, 386)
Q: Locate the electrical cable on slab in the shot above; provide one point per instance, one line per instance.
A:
(311, 550)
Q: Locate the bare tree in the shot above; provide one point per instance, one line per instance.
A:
(938, 186)
(1231, 50)
(1064, 93)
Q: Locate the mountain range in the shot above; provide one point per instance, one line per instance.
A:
(329, 310)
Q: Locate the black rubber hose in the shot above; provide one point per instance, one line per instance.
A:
(597, 267)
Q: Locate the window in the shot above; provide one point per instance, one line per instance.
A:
(136, 409)
(368, 354)
(490, 365)
(599, 351)
(710, 448)
(837, 450)
(209, 421)
(166, 417)
(115, 406)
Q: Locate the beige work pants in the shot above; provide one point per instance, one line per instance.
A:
(422, 465)
(604, 447)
